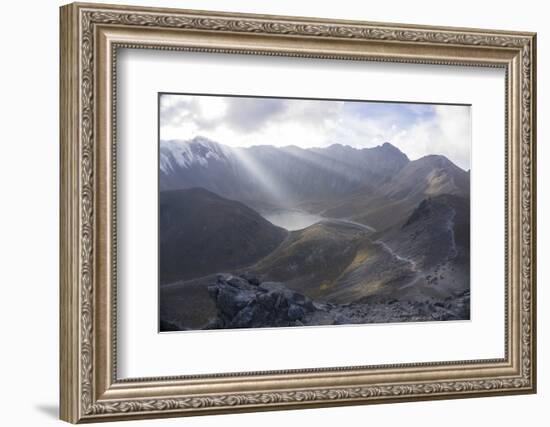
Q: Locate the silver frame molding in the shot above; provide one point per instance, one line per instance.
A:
(90, 37)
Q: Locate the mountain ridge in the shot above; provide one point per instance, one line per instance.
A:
(313, 179)
(219, 148)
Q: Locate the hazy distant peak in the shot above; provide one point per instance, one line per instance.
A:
(291, 147)
(390, 147)
(338, 146)
(386, 148)
(436, 160)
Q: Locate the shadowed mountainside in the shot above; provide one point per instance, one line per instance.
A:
(201, 232)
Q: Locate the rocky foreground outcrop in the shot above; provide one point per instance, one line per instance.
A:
(245, 302)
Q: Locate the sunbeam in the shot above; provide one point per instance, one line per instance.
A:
(330, 164)
(262, 177)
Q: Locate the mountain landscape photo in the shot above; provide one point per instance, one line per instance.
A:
(283, 212)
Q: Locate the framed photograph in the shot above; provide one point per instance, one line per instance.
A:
(266, 212)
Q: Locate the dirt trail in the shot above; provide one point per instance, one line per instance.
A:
(396, 256)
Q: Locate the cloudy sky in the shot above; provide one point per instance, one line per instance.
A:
(416, 129)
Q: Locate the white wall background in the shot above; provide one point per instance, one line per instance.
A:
(29, 170)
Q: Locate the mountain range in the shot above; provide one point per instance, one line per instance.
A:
(370, 185)
(385, 228)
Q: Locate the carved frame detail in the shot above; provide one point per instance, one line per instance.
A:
(80, 399)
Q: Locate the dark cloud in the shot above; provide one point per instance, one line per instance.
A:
(251, 114)
(174, 109)
(241, 114)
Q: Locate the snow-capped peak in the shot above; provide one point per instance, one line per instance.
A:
(198, 150)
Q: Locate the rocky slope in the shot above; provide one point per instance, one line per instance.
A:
(244, 302)
(436, 239)
(349, 270)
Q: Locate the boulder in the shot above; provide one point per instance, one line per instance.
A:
(244, 302)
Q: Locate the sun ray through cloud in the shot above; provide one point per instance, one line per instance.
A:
(416, 129)
(262, 177)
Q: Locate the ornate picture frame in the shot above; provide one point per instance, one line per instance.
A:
(90, 37)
